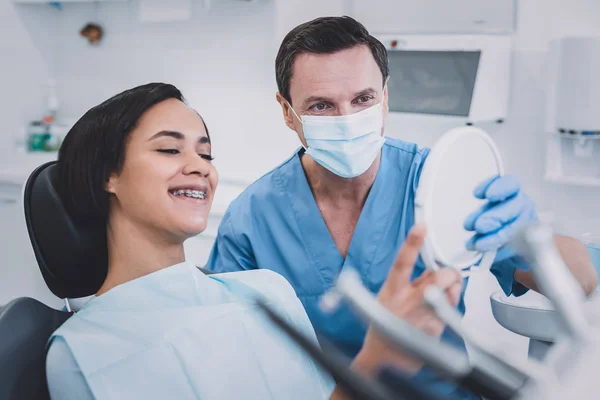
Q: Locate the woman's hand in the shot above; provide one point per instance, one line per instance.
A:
(406, 300)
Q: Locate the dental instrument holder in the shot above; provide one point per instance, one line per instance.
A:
(448, 361)
(553, 277)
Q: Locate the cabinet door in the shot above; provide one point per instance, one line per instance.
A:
(435, 16)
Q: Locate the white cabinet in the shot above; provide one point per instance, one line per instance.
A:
(405, 16)
(572, 111)
(435, 16)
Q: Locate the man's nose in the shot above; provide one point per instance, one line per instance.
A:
(344, 109)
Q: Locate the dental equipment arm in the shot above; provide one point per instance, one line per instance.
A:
(554, 278)
(446, 360)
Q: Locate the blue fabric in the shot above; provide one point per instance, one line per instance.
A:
(177, 333)
(276, 224)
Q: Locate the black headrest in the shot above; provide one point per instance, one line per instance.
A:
(72, 254)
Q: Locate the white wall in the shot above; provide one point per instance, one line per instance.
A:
(22, 75)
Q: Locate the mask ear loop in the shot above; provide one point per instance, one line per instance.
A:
(294, 111)
(299, 119)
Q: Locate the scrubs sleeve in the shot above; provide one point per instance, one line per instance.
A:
(231, 251)
(504, 271)
(65, 379)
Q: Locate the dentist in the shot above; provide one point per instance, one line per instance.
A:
(345, 199)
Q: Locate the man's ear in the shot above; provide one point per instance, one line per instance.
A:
(286, 108)
(384, 101)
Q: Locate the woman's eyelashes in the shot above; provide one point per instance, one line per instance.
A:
(168, 151)
(206, 157)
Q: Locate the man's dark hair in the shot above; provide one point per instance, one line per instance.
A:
(94, 148)
(325, 35)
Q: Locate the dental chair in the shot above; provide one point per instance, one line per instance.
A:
(73, 261)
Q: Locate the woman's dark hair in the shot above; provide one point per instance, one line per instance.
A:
(325, 35)
(94, 148)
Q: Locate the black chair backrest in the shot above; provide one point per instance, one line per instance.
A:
(72, 254)
(25, 326)
(73, 260)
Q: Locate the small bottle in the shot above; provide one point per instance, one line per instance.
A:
(37, 136)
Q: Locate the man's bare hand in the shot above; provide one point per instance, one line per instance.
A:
(406, 300)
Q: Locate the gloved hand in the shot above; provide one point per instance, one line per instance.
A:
(496, 223)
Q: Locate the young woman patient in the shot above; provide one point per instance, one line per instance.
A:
(158, 328)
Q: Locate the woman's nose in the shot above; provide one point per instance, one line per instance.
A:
(196, 165)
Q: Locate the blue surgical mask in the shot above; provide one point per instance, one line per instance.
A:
(346, 145)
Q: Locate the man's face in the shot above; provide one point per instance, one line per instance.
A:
(341, 83)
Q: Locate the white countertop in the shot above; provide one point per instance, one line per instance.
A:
(15, 168)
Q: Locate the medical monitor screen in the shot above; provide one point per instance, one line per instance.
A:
(432, 82)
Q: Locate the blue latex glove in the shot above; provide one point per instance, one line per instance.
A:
(507, 211)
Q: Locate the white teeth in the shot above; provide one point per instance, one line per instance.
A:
(196, 194)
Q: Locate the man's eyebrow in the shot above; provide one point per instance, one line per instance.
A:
(366, 91)
(315, 99)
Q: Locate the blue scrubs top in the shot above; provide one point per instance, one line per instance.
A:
(276, 224)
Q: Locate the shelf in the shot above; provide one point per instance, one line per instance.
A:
(574, 180)
(577, 137)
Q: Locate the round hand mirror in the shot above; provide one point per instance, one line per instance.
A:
(458, 162)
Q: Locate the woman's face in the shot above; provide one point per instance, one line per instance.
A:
(167, 182)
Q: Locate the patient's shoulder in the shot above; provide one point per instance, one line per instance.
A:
(269, 283)
(65, 379)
